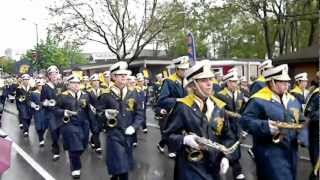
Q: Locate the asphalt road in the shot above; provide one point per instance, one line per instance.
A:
(150, 164)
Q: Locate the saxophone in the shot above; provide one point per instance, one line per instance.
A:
(284, 125)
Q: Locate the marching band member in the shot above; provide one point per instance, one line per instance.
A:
(157, 87)
(142, 91)
(73, 111)
(261, 81)
(300, 89)
(95, 126)
(107, 80)
(40, 122)
(234, 100)
(124, 116)
(171, 90)
(274, 146)
(85, 85)
(23, 103)
(244, 86)
(199, 114)
(48, 100)
(217, 82)
(312, 112)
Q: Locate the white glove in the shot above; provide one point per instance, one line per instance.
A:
(163, 111)
(273, 128)
(111, 113)
(33, 105)
(69, 113)
(130, 130)
(224, 165)
(45, 102)
(190, 140)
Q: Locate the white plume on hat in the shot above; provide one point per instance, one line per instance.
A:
(201, 70)
(301, 77)
(120, 67)
(279, 73)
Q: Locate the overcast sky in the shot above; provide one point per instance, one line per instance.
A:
(19, 34)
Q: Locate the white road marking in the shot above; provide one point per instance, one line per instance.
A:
(31, 161)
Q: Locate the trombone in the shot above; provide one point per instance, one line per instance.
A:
(284, 125)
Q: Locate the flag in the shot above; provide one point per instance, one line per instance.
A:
(191, 49)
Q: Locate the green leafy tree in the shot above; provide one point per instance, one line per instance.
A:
(7, 64)
(50, 53)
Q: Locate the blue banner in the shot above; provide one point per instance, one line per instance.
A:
(191, 49)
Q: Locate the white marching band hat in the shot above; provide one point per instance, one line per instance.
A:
(243, 79)
(181, 62)
(279, 73)
(94, 77)
(53, 69)
(120, 67)
(265, 65)
(25, 77)
(200, 70)
(106, 74)
(40, 82)
(140, 77)
(85, 78)
(73, 79)
(301, 77)
(231, 76)
(131, 78)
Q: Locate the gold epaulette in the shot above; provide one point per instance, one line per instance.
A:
(188, 100)
(223, 92)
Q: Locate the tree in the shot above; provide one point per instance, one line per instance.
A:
(114, 23)
(7, 65)
(50, 53)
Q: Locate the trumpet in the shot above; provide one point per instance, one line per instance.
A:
(22, 98)
(112, 119)
(207, 145)
(52, 102)
(83, 103)
(284, 125)
(66, 119)
(37, 107)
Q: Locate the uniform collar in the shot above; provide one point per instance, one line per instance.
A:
(50, 84)
(74, 94)
(297, 90)
(176, 78)
(261, 79)
(117, 91)
(26, 88)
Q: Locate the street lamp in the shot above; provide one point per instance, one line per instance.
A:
(35, 54)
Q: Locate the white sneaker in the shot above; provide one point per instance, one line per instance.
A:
(145, 130)
(161, 149)
(41, 143)
(55, 157)
(98, 150)
(20, 126)
(240, 176)
(135, 144)
(25, 134)
(172, 155)
(76, 174)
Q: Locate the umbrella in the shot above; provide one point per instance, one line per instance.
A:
(5, 154)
